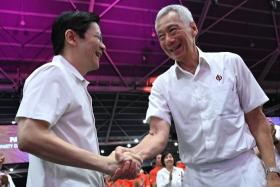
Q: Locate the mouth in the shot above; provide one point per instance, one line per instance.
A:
(173, 49)
(98, 54)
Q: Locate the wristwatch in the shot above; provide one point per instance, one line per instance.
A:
(272, 170)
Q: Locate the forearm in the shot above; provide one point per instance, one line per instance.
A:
(60, 152)
(266, 149)
(155, 141)
(150, 146)
(260, 129)
(46, 145)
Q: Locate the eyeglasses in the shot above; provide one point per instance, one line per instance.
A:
(99, 37)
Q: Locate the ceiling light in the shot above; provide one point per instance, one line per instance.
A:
(22, 22)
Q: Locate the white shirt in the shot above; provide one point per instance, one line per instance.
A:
(163, 176)
(57, 93)
(208, 107)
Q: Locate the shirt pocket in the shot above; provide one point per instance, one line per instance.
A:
(225, 100)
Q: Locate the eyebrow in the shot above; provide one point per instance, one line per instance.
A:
(167, 28)
(171, 25)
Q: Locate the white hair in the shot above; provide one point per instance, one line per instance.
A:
(183, 12)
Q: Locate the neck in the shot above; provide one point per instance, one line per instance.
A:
(191, 61)
(169, 168)
(74, 61)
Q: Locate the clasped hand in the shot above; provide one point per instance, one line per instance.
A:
(128, 163)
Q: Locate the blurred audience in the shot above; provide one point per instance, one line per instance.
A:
(5, 178)
(153, 172)
(170, 175)
(142, 180)
(181, 164)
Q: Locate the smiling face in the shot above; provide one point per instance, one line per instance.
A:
(90, 48)
(168, 160)
(176, 37)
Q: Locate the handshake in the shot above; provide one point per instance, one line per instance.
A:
(123, 163)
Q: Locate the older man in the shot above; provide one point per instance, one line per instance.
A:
(216, 105)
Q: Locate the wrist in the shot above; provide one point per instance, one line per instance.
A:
(107, 165)
(272, 173)
(272, 176)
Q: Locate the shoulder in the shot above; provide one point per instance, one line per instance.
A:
(166, 76)
(153, 170)
(221, 60)
(46, 77)
(48, 72)
(221, 55)
(160, 171)
(178, 169)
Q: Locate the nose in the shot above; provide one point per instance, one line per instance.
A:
(102, 46)
(169, 39)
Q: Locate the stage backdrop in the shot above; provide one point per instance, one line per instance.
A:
(9, 146)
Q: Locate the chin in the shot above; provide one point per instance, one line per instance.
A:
(96, 66)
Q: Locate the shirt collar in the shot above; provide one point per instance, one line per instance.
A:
(60, 59)
(202, 62)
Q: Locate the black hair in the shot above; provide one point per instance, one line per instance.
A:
(164, 154)
(79, 22)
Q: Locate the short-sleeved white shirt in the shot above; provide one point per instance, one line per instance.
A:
(208, 107)
(57, 93)
(163, 177)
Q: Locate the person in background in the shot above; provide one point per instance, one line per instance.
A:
(121, 183)
(142, 180)
(181, 164)
(5, 179)
(56, 124)
(169, 175)
(216, 105)
(153, 172)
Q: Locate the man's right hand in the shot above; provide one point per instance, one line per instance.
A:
(129, 163)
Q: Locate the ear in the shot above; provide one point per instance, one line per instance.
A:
(193, 28)
(70, 37)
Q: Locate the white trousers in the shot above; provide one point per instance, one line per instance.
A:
(245, 170)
